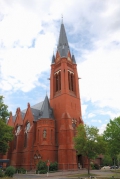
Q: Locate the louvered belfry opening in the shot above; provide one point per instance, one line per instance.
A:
(57, 80)
(71, 81)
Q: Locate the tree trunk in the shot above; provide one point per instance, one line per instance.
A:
(88, 166)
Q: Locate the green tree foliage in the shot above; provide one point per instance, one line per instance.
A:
(107, 160)
(112, 137)
(6, 132)
(118, 159)
(88, 142)
(4, 114)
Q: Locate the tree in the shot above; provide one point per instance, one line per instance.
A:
(6, 132)
(107, 160)
(88, 142)
(4, 114)
(112, 137)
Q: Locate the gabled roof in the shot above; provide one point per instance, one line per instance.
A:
(63, 46)
(40, 110)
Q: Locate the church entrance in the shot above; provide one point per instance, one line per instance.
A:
(80, 161)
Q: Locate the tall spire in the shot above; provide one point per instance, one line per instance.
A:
(63, 46)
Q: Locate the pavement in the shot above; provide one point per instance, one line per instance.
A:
(64, 174)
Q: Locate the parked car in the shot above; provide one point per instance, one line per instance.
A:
(105, 168)
(114, 167)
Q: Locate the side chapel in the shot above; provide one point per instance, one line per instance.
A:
(45, 131)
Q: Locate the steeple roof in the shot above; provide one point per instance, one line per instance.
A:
(46, 111)
(53, 59)
(73, 59)
(63, 46)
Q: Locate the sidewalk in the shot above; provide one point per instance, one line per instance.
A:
(56, 175)
(62, 174)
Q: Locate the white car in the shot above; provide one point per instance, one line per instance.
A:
(105, 168)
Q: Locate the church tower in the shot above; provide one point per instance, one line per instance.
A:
(65, 101)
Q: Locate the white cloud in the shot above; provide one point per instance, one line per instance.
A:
(84, 107)
(90, 115)
(102, 128)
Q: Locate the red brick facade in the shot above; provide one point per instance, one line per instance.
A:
(39, 135)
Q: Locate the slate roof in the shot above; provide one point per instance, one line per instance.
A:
(63, 46)
(53, 59)
(46, 111)
(73, 59)
(40, 110)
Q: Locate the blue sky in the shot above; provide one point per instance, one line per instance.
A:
(29, 33)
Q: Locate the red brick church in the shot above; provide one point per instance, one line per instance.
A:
(45, 131)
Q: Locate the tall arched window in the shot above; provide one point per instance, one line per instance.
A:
(15, 141)
(25, 139)
(71, 80)
(57, 81)
(18, 128)
(26, 133)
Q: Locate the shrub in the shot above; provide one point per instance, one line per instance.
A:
(42, 171)
(21, 170)
(42, 167)
(1, 173)
(10, 171)
(96, 166)
(53, 166)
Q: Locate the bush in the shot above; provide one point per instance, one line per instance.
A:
(42, 167)
(53, 166)
(92, 166)
(96, 166)
(10, 171)
(21, 170)
(1, 173)
(43, 171)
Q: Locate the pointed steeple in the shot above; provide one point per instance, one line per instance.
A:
(73, 59)
(46, 111)
(63, 46)
(53, 59)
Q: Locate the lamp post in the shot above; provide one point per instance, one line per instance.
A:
(37, 158)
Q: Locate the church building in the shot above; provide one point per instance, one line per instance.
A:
(45, 131)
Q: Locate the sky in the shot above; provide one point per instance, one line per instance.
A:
(29, 31)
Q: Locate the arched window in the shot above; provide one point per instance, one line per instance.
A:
(25, 139)
(17, 131)
(15, 142)
(44, 133)
(26, 133)
(71, 80)
(57, 81)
